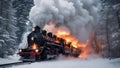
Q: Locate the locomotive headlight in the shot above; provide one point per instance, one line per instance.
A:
(36, 50)
(32, 38)
(20, 50)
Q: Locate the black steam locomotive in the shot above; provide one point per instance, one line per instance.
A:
(43, 46)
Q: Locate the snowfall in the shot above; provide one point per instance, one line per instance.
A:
(67, 62)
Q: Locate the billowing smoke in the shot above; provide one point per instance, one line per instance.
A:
(77, 16)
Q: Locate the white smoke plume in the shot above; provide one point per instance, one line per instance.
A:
(77, 16)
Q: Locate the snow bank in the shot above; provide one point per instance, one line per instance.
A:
(10, 59)
(76, 63)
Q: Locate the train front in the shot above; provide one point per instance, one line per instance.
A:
(30, 53)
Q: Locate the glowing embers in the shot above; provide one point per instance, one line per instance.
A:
(69, 38)
(66, 35)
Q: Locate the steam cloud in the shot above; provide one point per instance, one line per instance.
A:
(77, 16)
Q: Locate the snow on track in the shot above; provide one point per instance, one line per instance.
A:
(10, 59)
(75, 63)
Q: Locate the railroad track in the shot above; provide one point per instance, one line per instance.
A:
(13, 64)
(21, 63)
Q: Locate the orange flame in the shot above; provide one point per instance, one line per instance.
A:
(34, 46)
(66, 35)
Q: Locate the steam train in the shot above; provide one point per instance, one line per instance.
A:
(43, 46)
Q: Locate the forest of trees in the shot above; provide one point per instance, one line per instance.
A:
(13, 18)
(108, 29)
(14, 15)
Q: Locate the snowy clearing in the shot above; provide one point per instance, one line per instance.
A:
(75, 63)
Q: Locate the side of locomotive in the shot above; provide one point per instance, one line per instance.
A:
(43, 46)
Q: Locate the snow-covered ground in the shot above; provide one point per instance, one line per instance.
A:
(66, 62)
(74, 63)
(10, 59)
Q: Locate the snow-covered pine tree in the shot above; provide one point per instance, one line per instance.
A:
(22, 8)
(13, 18)
(8, 28)
(109, 28)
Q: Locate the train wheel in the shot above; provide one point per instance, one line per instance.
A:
(37, 58)
(44, 56)
(76, 55)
